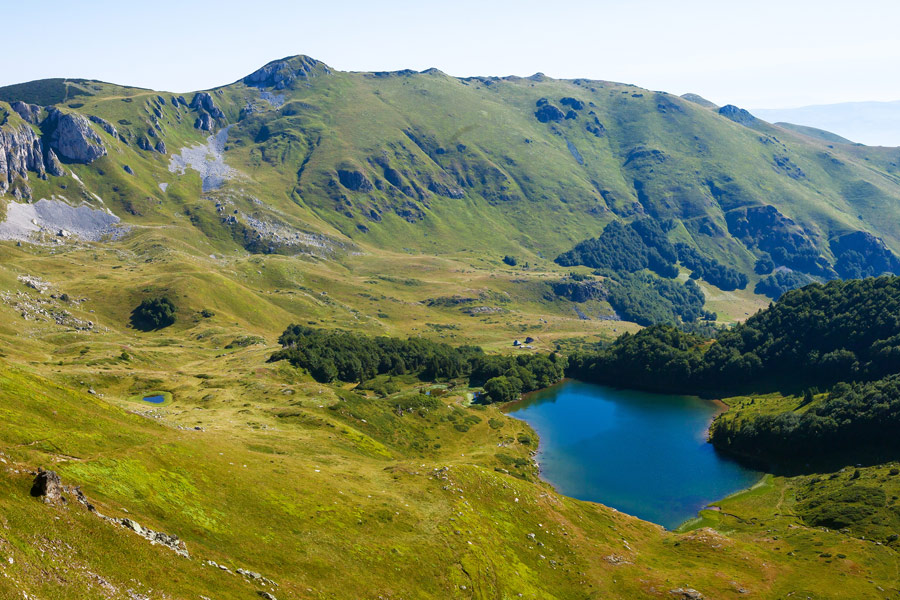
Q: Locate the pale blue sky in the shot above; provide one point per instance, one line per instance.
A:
(756, 54)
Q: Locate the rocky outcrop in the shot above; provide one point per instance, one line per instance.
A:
(738, 115)
(48, 487)
(204, 100)
(208, 112)
(280, 74)
(204, 122)
(579, 291)
(172, 542)
(105, 125)
(71, 137)
(51, 161)
(29, 112)
(160, 147)
(20, 152)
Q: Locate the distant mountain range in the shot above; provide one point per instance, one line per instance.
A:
(870, 123)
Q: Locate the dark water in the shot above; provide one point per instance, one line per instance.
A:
(641, 453)
(155, 399)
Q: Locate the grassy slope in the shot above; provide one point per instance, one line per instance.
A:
(322, 500)
(278, 515)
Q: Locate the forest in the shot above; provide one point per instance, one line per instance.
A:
(843, 336)
(330, 355)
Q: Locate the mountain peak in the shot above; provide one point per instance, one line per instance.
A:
(280, 74)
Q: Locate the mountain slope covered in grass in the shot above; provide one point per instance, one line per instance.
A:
(307, 159)
(159, 244)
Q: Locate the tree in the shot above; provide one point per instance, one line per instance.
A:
(500, 389)
(153, 313)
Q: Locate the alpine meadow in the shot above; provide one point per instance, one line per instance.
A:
(263, 340)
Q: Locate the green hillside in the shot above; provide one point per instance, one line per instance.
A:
(372, 229)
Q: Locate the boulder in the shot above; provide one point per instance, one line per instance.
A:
(161, 147)
(686, 594)
(128, 170)
(72, 138)
(144, 144)
(47, 486)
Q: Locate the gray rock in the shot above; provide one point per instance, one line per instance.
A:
(29, 112)
(128, 170)
(72, 137)
(202, 100)
(686, 594)
(51, 161)
(156, 537)
(161, 147)
(279, 74)
(204, 122)
(47, 486)
(105, 125)
(144, 144)
(21, 151)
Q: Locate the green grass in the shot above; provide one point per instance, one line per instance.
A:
(339, 496)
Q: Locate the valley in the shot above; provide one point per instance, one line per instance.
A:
(206, 249)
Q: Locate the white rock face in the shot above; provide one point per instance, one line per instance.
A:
(73, 139)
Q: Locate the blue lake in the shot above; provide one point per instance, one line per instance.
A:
(155, 399)
(641, 453)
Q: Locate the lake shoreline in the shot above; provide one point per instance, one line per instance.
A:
(539, 456)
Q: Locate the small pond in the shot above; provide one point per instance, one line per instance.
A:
(641, 453)
(157, 399)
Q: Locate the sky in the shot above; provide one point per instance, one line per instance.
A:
(764, 54)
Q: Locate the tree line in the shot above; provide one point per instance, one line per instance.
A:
(843, 335)
(333, 355)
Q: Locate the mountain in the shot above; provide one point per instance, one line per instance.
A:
(872, 123)
(299, 158)
(159, 252)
